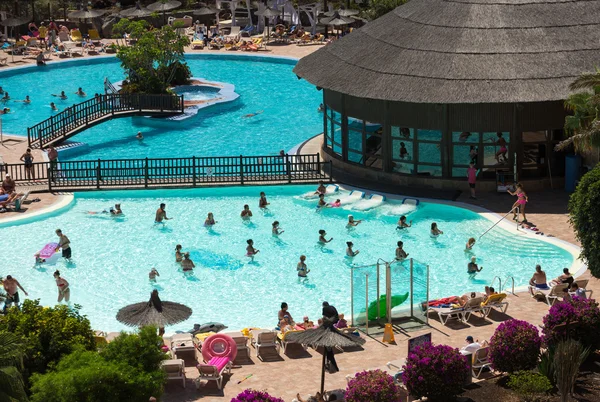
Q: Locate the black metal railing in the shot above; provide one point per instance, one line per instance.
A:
(79, 116)
(172, 172)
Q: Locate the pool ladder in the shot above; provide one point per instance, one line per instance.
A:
(510, 278)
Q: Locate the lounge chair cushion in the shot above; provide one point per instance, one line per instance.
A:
(219, 362)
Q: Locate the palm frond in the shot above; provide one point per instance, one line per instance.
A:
(588, 81)
(584, 140)
(11, 384)
(11, 353)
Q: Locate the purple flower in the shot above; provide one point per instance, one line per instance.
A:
(250, 395)
(515, 346)
(372, 386)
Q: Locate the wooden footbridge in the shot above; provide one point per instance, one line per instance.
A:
(94, 111)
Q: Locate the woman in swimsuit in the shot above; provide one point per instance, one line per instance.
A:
(322, 203)
(63, 287)
(522, 200)
(178, 254)
(153, 274)
(246, 213)
(322, 238)
(262, 203)
(470, 244)
(301, 267)
(321, 189)
(187, 264)
(349, 251)
(400, 253)
(27, 158)
(276, 231)
(435, 232)
(210, 220)
(503, 150)
(402, 223)
(351, 222)
(250, 250)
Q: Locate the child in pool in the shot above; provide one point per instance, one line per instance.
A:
(402, 223)
(262, 202)
(349, 251)
(210, 220)
(187, 264)
(351, 222)
(322, 238)
(276, 231)
(301, 267)
(400, 253)
(337, 203)
(250, 250)
(435, 232)
(246, 213)
(470, 244)
(178, 253)
(153, 274)
(322, 203)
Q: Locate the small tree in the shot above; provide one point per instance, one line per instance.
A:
(515, 346)
(372, 386)
(139, 350)
(569, 355)
(585, 218)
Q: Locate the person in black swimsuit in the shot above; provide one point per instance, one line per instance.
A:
(27, 158)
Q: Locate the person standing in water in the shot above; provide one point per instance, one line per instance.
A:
(139, 136)
(10, 285)
(322, 238)
(178, 253)
(161, 214)
(351, 222)
(262, 202)
(246, 213)
(402, 223)
(187, 264)
(400, 253)
(250, 250)
(470, 244)
(435, 232)
(210, 220)
(522, 200)
(63, 243)
(302, 268)
(276, 231)
(349, 251)
(153, 274)
(472, 268)
(64, 292)
(472, 179)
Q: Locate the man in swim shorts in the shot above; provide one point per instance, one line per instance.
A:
(12, 294)
(161, 214)
(538, 280)
(64, 244)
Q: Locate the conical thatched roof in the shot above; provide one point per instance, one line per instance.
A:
(463, 51)
(154, 312)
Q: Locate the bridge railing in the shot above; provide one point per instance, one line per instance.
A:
(175, 172)
(81, 114)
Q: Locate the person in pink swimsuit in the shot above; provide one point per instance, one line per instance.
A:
(522, 200)
(503, 149)
(472, 178)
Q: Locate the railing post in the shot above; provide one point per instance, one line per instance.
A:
(146, 174)
(330, 170)
(40, 138)
(48, 176)
(182, 104)
(139, 102)
(318, 162)
(288, 169)
(98, 177)
(194, 170)
(241, 169)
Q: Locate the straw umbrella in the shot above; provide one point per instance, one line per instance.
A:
(164, 6)
(336, 20)
(153, 312)
(85, 14)
(326, 336)
(268, 13)
(341, 12)
(208, 11)
(135, 12)
(14, 22)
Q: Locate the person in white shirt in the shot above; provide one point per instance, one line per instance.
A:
(577, 291)
(471, 346)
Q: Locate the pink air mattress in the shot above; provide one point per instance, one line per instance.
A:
(48, 250)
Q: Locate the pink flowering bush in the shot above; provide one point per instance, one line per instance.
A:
(437, 372)
(372, 386)
(250, 395)
(584, 312)
(515, 346)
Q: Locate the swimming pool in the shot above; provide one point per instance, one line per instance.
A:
(287, 109)
(112, 257)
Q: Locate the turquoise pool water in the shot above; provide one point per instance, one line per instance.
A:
(288, 109)
(112, 257)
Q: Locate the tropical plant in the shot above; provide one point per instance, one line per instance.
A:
(250, 395)
(152, 63)
(583, 126)
(546, 365)
(578, 319)
(135, 29)
(568, 357)
(12, 387)
(515, 346)
(141, 350)
(373, 386)
(437, 372)
(585, 218)
(377, 8)
(47, 333)
(529, 385)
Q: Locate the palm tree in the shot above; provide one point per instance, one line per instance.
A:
(583, 126)
(11, 361)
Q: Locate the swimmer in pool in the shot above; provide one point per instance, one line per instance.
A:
(470, 244)
(336, 204)
(139, 136)
(187, 264)
(178, 253)
(79, 92)
(400, 253)
(302, 268)
(26, 100)
(435, 232)
(5, 111)
(153, 274)
(5, 97)
(210, 220)
(250, 250)
(351, 222)
(116, 210)
(322, 238)
(252, 114)
(276, 231)
(402, 223)
(321, 203)
(161, 214)
(349, 251)
(246, 213)
(262, 202)
(62, 95)
(53, 106)
(321, 189)
(473, 268)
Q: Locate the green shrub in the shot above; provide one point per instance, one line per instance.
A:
(529, 385)
(546, 365)
(141, 350)
(47, 333)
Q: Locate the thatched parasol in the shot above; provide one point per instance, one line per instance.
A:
(326, 336)
(135, 12)
(205, 11)
(85, 14)
(153, 312)
(164, 5)
(15, 21)
(268, 13)
(336, 20)
(341, 12)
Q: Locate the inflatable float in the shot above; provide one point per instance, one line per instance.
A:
(396, 301)
(48, 251)
(219, 345)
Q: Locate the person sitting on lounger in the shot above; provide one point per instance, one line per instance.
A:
(577, 291)
(342, 323)
(6, 199)
(538, 280)
(8, 185)
(490, 291)
(566, 277)
(472, 346)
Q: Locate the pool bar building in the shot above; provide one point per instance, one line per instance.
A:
(412, 97)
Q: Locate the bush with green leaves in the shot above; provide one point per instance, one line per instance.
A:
(585, 218)
(47, 333)
(12, 387)
(127, 369)
(529, 385)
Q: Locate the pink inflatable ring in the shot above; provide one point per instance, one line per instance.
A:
(219, 345)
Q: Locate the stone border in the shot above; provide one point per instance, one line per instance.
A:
(64, 201)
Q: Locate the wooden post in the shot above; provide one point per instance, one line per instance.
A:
(319, 163)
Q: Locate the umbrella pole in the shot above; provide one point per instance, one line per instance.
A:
(323, 371)
(164, 17)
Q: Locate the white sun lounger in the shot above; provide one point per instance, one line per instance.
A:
(446, 313)
(552, 294)
(332, 188)
(473, 306)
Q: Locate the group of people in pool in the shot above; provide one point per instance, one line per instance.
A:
(62, 96)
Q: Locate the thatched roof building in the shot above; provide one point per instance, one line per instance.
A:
(461, 66)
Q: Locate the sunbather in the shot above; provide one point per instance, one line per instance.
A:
(566, 277)
(6, 199)
(538, 280)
